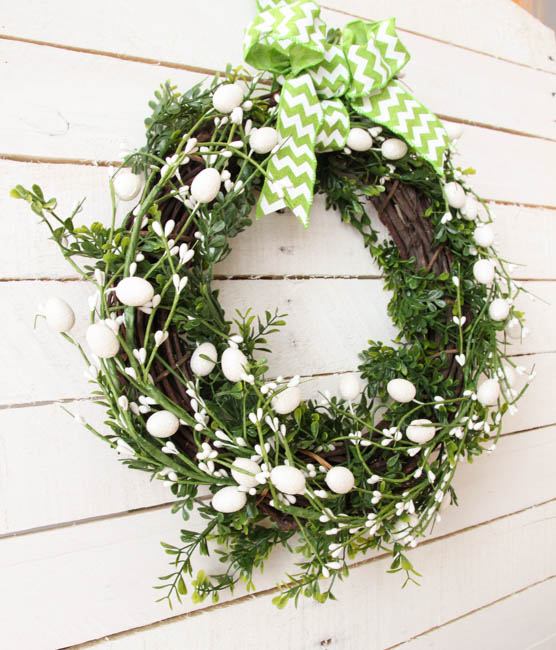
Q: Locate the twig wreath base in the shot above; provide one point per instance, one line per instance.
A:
(186, 390)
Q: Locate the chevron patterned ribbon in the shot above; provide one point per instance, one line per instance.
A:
(320, 80)
(291, 170)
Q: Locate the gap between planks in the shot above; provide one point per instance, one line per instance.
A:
(161, 506)
(471, 612)
(49, 160)
(211, 72)
(332, 373)
(251, 276)
(271, 590)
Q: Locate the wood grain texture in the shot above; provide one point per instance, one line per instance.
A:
(71, 474)
(503, 30)
(45, 367)
(480, 565)
(52, 120)
(73, 105)
(474, 86)
(276, 245)
(526, 617)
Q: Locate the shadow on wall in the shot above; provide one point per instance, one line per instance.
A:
(544, 10)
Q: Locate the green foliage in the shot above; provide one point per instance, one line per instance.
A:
(397, 483)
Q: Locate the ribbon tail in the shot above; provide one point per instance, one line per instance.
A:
(334, 130)
(291, 170)
(395, 108)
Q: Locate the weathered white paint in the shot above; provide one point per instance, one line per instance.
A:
(490, 91)
(518, 37)
(53, 120)
(71, 474)
(497, 27)
(535, 603)
(461, 573)
(68, 584)
(329, 321)
(275, 245)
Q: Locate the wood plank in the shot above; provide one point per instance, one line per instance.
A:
(276, 245)
(280, 245)
(510, 168)
(479, 88)
(103, 571)
(66, 124)
(52, 119)
(502, 623)
(524, 236)
(503, 31)
(71, 474)
(41, 366)
(29, 252)
(101, 486)
(523, 620)
(180, 38)
(45, 451)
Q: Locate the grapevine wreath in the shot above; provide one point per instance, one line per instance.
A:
(187, 392)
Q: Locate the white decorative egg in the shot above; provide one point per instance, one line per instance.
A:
(499, 309)
(102, 340)
(453, 129)
(59, 315)
(288, 480)
(263, 140)
(340, 479)
(470, 208)
(162, 424)
(393, 149)
(455, 195)
(134, 292)
(234, 364)
(206, 185)
(200, 366)
(227, 97)
(420, 431)
(350, 387)
(483, 271)
(488, 392)
(483, 235)
(286, 400)
(127, 185)
(359, 139)
(401, 390)
(229, 499)
(247, 465)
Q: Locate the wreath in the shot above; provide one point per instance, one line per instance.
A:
(186, 391)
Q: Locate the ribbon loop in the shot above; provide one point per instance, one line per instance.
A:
(374, 54)
(331, 76)
(319, 77)
(286, 38)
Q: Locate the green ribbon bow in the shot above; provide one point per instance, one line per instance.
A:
(288, 38)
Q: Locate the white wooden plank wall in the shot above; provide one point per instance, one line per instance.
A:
(79, 533)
